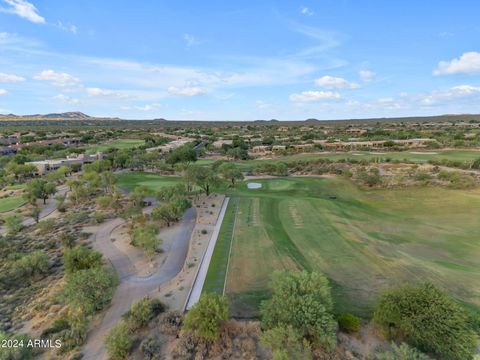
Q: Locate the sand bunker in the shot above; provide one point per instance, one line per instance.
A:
(423, 153)
(253, 185)
(377, 153)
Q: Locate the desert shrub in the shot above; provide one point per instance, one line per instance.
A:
(67, 240)
(118, 342)
(286, 343)
(171, 322)
(46, 226)
(106, 202)
(423, 176)
(206, 317)
(14, 223)
(98, 218)
(90, 289)
(428, 319)
(349, 323)
(150, 349)
(146, 238)
(81, 258)
(31, 265)
(142, 311)
(77, 217)
(402, 352)
(370, 178)
(303, 301)
(76, 333)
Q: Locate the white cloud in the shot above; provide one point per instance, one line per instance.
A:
(314, 96)
(3, 92)
(331, 82)
(7, 78)
(455, 93)
(66, 99)
(260, 104)
(66, 27)
(106, 93)
(366, 75)
(25, 10)
(190, 40)
(146, 107)
(186, 91)
(56, 78)
(467, 63)
(306, 11)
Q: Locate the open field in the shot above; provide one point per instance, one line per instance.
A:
(117, 144)
(11, 203)
(363, 240)
(130, 180)
(410, 156)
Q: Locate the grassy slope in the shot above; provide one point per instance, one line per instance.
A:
(363, 240)
(130, 180)
(10, 203)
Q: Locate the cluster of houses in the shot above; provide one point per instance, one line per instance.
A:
(45, 166)
(342, 145)
(11, 144)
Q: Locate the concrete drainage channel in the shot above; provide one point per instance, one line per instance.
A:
(202, 270)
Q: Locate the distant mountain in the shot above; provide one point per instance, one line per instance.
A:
(72, 115)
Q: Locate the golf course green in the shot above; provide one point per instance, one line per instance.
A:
(11, 203)
(154, 182)
(363, 240)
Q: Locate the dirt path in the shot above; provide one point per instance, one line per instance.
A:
(132, 287)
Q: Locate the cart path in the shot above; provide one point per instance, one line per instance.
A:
(176, 242)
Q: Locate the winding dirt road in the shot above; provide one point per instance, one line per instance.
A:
(132, 287)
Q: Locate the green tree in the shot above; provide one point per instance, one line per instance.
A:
(184, 154)
(206, 317)
(40, 189)
(231, 172)
(138, 194)
(146, 238)
(205, 177)
(302, 300)
(476, 164)
(118, 342)
(81, 258)
(285, 343)
(428, 319)
(91, 289)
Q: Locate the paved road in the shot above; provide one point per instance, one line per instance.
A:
(176, 240)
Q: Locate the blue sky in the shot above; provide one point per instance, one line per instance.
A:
(243, 60)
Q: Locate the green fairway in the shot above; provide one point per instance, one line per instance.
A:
(117, 144)
(11, 203)
(363, 240)
(130, 180)
(218, 266)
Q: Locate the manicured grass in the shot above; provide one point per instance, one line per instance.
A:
(11, 203)
(363, 240)
(117, 144)
(215, 279)
(130, 180)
